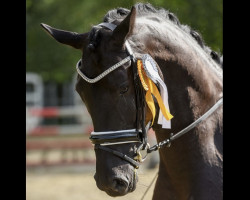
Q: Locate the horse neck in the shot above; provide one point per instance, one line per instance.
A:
(193, 79)
(194, 85)
(193, 88)
(189, 72)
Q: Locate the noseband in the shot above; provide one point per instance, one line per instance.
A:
(139, 134)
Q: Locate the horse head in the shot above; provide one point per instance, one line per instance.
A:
(110, 101)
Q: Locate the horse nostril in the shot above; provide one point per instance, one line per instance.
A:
(120, 185)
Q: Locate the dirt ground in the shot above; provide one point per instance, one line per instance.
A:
(78, 184)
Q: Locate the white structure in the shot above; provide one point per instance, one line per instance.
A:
(34, 99)
(37, 112)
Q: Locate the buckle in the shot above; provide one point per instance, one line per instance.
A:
(139, 157)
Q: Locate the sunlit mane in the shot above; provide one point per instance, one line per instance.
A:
(146, 9)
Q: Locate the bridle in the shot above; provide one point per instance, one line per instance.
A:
(139, 135)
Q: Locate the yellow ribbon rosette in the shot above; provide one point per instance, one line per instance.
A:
(151, 89)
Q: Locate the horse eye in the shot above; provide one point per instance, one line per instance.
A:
(123, 89)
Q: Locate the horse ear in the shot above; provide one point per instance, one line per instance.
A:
(125, 28)
(72, 39)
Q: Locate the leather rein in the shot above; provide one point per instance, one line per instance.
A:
(103, 139)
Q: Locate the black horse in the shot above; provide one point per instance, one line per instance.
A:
(109, 86)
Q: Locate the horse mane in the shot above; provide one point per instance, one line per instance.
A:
(119, 14)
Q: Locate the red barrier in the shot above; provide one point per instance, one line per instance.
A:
(45, 112)
(40, 130)
(73, 144)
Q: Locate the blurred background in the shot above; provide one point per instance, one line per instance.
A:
(60, 160)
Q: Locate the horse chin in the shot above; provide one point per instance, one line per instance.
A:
(115, 194)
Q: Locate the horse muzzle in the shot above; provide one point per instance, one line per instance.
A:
(117, 185)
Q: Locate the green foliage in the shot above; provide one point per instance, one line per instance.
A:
(56, 62)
